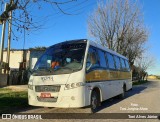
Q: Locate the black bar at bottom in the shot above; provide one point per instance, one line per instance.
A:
(81, 116)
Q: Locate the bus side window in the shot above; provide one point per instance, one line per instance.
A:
(92, 60)
(117, 62)
(102, 60)
(111, 62)
(127, 65)
(123, 64)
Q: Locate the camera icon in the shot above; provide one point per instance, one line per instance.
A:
(6, 116)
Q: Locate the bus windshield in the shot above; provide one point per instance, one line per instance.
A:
(61, 59)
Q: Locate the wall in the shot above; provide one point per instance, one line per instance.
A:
(15, 58)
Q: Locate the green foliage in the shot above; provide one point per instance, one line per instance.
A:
(158, 77)
(10, 99)
(140, 82)
(5, 90)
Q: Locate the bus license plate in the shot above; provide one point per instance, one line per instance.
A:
(45, 95)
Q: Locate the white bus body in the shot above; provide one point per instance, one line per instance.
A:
(73, 87)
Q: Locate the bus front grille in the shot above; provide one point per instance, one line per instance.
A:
(51, 99)
(47, 88)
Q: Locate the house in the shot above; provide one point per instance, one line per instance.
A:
(21, 61)
(29, 56)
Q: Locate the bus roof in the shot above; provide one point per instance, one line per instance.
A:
(93, 44)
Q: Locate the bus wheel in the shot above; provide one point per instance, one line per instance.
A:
(122, 95)
(95, 101)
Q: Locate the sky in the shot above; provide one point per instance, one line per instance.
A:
(59, 27)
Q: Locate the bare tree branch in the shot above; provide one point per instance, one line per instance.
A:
(118, 25)
(22, 18)
(144, 63)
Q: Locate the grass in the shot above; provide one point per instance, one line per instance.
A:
(5, 90)
(10, 99)
(140, 82)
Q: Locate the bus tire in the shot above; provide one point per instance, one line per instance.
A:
(95, 101)
(122, 95)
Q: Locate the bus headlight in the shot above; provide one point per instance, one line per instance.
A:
(80, 84)
(67, 86)
(74, 85)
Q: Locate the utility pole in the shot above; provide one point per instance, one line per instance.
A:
(2, 38)
(9, 38)
(6, 15)
(9, 42)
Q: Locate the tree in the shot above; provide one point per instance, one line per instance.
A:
(118, 25)
(144, 63)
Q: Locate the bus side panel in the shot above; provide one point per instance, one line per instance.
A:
(110, 82)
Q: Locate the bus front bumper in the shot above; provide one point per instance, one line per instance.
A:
(72, 98)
